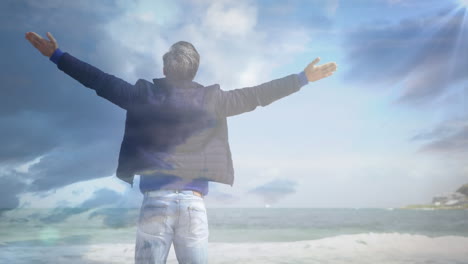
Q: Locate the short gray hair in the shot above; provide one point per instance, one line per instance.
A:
(181, 61)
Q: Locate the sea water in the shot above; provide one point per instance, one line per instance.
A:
(244, 235)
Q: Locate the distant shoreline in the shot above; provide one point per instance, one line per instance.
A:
(435, 207)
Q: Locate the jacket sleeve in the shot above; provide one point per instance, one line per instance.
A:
(238, 101)
(107, 86)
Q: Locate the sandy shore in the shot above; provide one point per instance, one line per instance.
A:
(361, 248)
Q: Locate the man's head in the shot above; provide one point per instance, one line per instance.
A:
(181, 61)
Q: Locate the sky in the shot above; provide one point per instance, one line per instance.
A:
(389, 129)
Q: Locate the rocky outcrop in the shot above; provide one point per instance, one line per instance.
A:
(451, 199)
(463, 190)
(456, 199)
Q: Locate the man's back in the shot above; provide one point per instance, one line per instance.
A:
(176, 131)
(181, 128)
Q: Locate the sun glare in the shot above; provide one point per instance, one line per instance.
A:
(463, 3)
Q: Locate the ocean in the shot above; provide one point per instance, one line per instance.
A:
(244, 235)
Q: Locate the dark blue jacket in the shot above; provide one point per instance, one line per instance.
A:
(176, 127)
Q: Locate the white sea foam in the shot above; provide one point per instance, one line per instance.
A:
(362, 248)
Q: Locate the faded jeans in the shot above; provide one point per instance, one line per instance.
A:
(167, 217)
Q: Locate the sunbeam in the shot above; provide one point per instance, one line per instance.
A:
(441, 40)
(463, 3)
(460, 53)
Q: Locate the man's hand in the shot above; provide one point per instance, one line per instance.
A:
(315, 73)
(46, 47)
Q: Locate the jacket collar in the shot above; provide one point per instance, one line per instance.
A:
(168, 83)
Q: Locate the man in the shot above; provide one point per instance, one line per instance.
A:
(176, 139)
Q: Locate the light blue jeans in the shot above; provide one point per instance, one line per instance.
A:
(167, 217)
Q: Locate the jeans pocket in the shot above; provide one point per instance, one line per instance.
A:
(153, 218)
(198, 225)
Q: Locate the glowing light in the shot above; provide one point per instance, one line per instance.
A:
(463, 3)
(49, 235)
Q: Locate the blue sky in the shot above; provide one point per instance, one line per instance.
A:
(390, 128)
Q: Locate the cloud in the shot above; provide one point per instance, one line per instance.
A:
(45, 114)
(116, 217)
(426, 57)
(102, 197)
(59, 215)
(220, 197)
(19, 143)
(235, 49)
(425, 54)
(11, 186)
(73, 134)
(69, 164)
(450, 137)
(230, 20)
(275, 190)
(458, 142)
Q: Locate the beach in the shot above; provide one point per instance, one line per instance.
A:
(362, 248)
(245, 235)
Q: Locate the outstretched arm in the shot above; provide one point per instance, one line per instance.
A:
(238, 101)
(108, 86)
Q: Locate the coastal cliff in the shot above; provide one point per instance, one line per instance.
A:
(455, 200)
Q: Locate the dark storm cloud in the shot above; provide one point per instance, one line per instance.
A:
(72, 163)
(11, 185)
(43, 112)
(275, 190)
(25, 136)
(419, 51)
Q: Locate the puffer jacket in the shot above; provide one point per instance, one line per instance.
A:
(176, 127)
